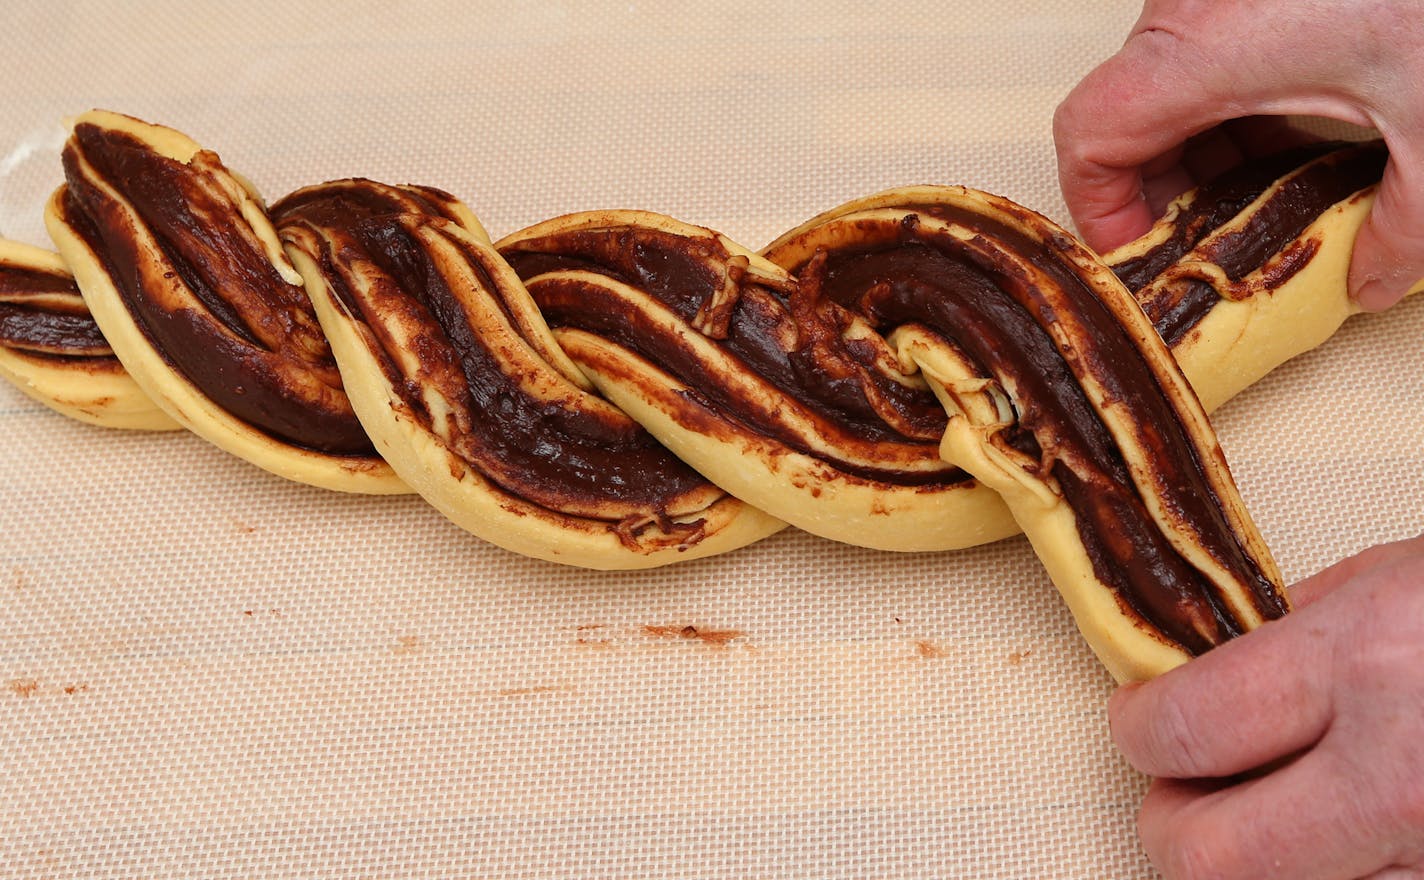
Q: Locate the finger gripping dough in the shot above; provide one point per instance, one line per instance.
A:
(922, 369)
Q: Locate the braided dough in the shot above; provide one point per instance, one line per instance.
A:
(206, 313)
(619, 389)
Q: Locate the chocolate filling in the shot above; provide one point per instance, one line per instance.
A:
(47, 329)
(977, 303)
(37, 331)
(21, 280)
(286, 393)
(553, 453)
(341, 204)
(1334, 174)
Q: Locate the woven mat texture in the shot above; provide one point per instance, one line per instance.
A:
(208, 672)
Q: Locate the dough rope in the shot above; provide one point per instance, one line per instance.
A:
(619, 389)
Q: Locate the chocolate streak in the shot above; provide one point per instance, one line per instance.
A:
(1333, 173)
(564, 456)
(41, 314)
(834, 379)
(286, 386)
(978, 302)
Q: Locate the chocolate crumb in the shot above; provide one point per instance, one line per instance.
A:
(719, 637)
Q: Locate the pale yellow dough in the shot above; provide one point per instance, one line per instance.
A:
(95, 393)
(173, 393)
(476, 504)
(1241, 340)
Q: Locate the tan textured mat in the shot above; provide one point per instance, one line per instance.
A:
(206, 671)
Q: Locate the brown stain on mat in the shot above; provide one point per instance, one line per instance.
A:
(606, 636)
(25, 688)
(718, 637)
(536, 690)
(592, 635)
(408, 644)
(928, 650)
(20, 579)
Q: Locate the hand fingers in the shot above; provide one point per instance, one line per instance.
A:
(1163, 178)
(1324, 582)
(1173, 80)
(1256, 699)
(1250, 701)
(1389, 250)
(1310, 820)
(1151, 105)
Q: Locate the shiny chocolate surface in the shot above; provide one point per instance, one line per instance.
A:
(248, 339)
(411, 274)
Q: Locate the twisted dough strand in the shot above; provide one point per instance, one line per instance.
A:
(619, 389)
(467, 394)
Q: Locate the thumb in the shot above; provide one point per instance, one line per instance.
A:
(1389, 250)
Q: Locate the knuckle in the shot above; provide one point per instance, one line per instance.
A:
(1078, 134)
(1065, 123)
(1394, 221)
(1177, 746)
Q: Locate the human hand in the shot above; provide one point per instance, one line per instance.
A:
(1296, 751)
(1200, 84)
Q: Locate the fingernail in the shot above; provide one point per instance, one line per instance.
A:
(1375, 295)
(1381, 286)
(1115, 701)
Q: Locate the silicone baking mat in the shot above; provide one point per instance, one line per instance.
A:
(207, 671)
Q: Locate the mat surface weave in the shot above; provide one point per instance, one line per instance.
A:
(206, 671)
